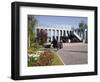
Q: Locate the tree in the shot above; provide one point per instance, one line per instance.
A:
(85, 26)
(31, 29)
(81, 24)
(41, 36)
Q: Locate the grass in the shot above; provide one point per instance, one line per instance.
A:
(56, 60)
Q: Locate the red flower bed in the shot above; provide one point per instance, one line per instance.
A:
(45, 59)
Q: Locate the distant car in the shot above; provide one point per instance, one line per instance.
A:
(47, 45)
(60, 45)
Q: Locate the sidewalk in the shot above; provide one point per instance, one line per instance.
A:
(73, 53)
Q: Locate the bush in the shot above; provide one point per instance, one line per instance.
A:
(30, 51)
(31, 61)
(45, 59)
(35, 47)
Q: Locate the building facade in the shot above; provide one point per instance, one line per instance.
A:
(62, 32)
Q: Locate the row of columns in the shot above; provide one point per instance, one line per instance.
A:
(55, 33)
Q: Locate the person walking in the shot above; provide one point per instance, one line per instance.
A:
(54, 42)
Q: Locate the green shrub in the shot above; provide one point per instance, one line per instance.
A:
(45, 59)
(31, 61)
(34, 47)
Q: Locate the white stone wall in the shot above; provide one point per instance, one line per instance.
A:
(54, 30)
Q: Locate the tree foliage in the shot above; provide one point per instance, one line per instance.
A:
(41, 36)
(82, 25)
(31, 29)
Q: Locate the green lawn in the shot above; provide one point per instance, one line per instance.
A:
(56, 60)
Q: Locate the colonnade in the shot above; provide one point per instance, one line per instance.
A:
(55, 32)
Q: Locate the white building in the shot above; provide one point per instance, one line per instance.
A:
(59, 31)
(55, 31)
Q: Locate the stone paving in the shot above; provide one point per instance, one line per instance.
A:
(73, 53)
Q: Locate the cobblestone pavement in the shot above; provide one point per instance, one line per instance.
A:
(73, 53)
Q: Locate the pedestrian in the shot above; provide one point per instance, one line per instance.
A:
(54, 42)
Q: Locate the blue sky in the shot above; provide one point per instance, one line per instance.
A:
(61, 20)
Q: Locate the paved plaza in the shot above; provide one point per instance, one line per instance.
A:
(73, 53)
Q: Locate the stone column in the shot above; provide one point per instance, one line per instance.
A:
(51, 34)
(47, 35)
(54, 32)
(58, 36)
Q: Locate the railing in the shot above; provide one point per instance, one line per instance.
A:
(77, 36)
(81, 34)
